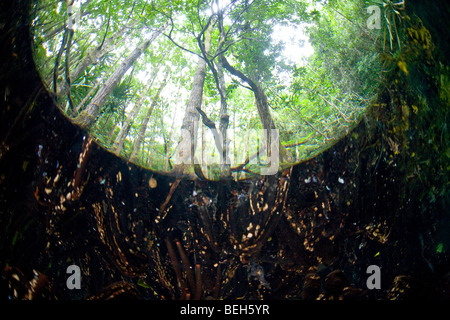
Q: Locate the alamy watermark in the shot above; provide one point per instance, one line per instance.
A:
(374, 20)
(374, 280)
(74, 280)
(265, 153)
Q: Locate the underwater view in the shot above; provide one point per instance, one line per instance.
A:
(227, 150)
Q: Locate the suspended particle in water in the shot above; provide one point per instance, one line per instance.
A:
(152, 183)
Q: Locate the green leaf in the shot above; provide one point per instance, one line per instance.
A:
(143, 284)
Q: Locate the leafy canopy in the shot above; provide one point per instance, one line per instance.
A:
(316, 61)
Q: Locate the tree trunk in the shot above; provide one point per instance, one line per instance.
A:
(143, 127)
(91, 58)
(120, 139)
(87, 117)
(185, 153)
(168, 140)
(262, 103)
(265, 117)
(224, 117)
(224, 121)
(86, 98)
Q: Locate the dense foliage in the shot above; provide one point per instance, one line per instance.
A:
(306, 68)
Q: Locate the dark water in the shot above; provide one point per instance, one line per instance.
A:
(378, 197)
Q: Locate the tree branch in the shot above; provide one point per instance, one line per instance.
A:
(169, 36)
(238, 73)
(206, 121)
(58, 61)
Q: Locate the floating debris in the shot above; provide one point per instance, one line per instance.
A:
(152, 183)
